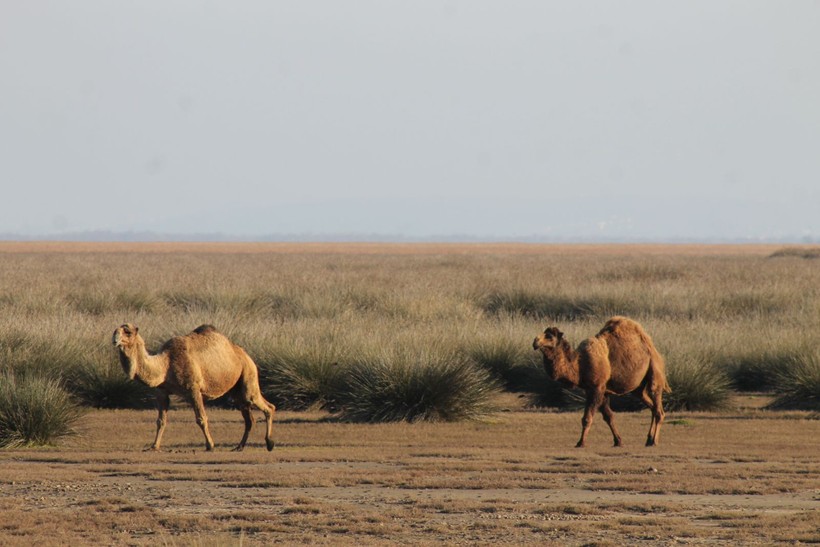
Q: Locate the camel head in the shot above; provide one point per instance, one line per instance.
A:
(125, 338)
(555, 349)
(551, 338)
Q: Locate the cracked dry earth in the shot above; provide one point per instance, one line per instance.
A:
(748, 478)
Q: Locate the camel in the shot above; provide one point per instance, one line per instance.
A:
(620, 359)
(199, 366)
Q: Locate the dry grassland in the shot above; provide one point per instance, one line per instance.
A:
(745, 476)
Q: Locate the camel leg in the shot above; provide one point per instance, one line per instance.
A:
(246, 414)
(655, 404)
(202, 419)
(660, 415)
(594, 400)
(252, 395)
(609, 418)
(163, 402)
(268, 410)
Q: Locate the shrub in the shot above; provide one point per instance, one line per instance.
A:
(798, 384)
(696, 384)
(34, 411)
(417, 386)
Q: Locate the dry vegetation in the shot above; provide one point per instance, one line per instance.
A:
(725, 318)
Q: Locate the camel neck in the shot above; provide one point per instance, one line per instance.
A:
(565, 365)
(140, 365)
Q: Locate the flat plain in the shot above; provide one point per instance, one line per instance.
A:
(741, 476)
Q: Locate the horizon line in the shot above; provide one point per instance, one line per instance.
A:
(147, 236)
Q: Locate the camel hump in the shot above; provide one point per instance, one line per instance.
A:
(620, 324)
(623, 328)
(205, 329)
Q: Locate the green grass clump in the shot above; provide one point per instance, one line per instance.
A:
(798, 384)
(696, 384)
(417, 385)
(34, 411)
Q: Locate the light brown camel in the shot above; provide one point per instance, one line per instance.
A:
(620, 359)
(199, 366)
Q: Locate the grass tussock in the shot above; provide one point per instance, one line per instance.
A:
(297, 375)
(507, 356)
(757, 370)
(696, 384)
(416, 385)
(797, 385)
(34, 411)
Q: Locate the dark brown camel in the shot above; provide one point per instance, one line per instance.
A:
(620, 359)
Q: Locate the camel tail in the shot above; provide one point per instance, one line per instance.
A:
(660, 370)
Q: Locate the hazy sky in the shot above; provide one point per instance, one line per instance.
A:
(569, 120)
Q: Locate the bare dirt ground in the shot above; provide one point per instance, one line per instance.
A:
(747, 477)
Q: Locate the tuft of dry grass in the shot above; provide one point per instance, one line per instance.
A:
(797, 384)
(34, 411)
(419, 383)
